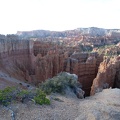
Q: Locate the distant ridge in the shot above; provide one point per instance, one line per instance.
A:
(91, 31)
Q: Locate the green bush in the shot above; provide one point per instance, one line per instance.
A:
(6, 95)
(22, 94)
(59, 83)
(17, 94)
(41, 98)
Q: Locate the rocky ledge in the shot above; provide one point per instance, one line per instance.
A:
(103, 106)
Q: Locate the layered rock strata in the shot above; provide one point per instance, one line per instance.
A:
(36, 61)
(108, 75)
(15, 55)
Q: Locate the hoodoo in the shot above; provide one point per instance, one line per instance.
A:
(45, 54)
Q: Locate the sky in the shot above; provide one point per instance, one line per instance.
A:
(57, 15)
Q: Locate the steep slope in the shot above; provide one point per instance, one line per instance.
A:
(108, 75)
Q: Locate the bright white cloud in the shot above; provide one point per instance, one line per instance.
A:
(18, 15)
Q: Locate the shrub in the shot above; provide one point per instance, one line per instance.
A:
(6, 95)
(41, 98)
(22, 94)
(17, 94)
(59, 83)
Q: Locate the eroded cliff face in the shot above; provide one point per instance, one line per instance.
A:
(108, 75)
(54, 59)
(85, 66)
(35, 61)
(15, 55)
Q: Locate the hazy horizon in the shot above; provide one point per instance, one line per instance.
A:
(58, 15)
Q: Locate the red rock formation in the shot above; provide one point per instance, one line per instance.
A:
(36, 61)
(85, 66)
(15, 55)
(107, 76)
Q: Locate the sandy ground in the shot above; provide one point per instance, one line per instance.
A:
(66, 108)
(103, 106)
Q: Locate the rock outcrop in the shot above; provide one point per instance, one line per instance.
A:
(108, 75)
(16, 55)
(103, 106)
(85, 66)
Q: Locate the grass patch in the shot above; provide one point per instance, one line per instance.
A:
(10, 94)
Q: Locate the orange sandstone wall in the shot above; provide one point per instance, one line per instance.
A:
(108, 75)
(36, 61)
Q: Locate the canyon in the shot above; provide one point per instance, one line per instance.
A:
(28, 59)
(36, 56)
(35, 61)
